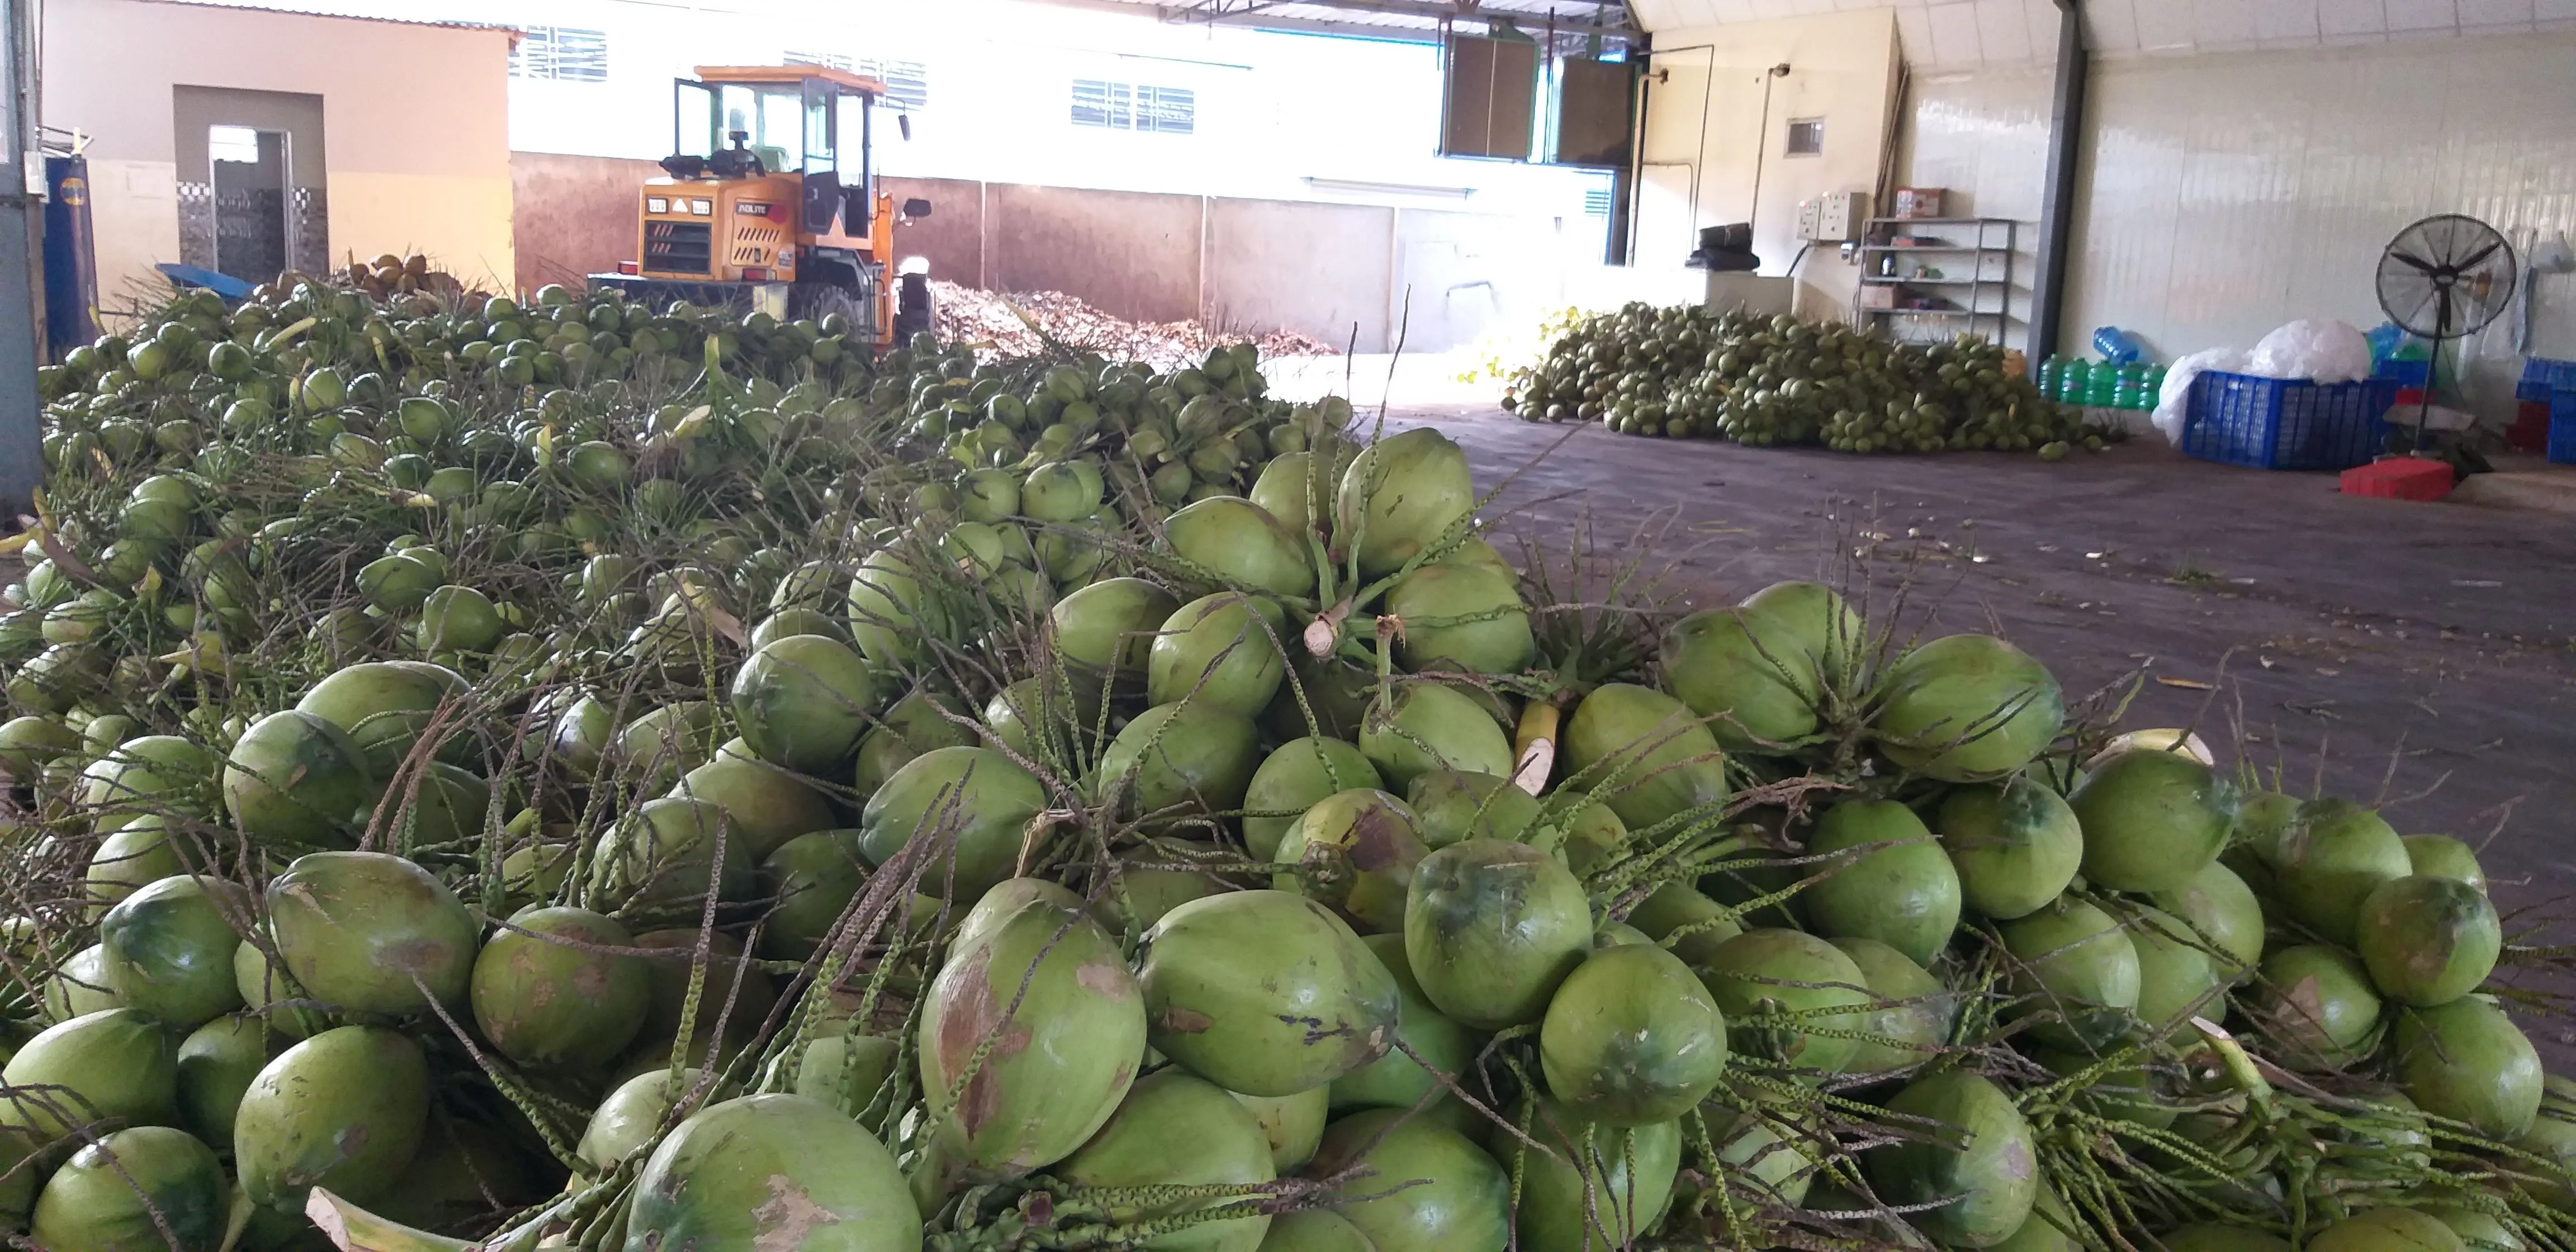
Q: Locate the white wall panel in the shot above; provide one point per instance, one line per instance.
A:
(2224, 195)
(1984, 138)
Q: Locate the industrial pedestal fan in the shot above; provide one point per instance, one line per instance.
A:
(2445, 277)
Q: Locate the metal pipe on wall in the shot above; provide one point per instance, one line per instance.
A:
(2057, 203)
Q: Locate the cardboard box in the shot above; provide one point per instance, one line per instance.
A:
(1917, 202)
(1877, 296)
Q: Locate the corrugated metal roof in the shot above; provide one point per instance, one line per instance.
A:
(513, 31)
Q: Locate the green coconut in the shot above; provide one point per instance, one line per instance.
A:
(1178, 1130)
(1753, 675)
(1220, 650)
(1974, 1159)
(1241, 543)
(894, 612)
(655, 750)
(456, 618)
(1646, 755)
(803, 701)
(1061, 491)
(772, 1171)
(1597, 1186)
(1355, 851)
(2222, 1237)
(1492, 928)
(147, 774)
(1430, 727)
(28, 744)
(1154, 880)
(2426, 940)
(985, 796)
(1686, 921)
(1109, 627)
(1397, 499)
(2049, 1228)
(813, 877)
(846, 1070)
(143, 1189)
(1067, 708)
(371, 933)
(2015, 844)
(2176, 975)
(797, 621)
(2434, 856)
(766, 805)
(2152, 819)
(1788, 996)
(2076, 972)
(2467, 1061)
(2222, 911)
(1050, 977)
(1455, 804)
(1326, 696)
(1265, 992)
(1910, 1014)
(343, 1109)
(1429, 1188)
(2387, 1229)
(1398, 1079)
(1967, 708)
(1901, 891)
(79, 986)
(666, 854)
(217, 1063)
(266, 992)
(109, 1064)
(581, 733)
(2329, 859)
(1314, 1230)
(631, 1117)
(1631, 1038)
(466, 1176)
(1180, 758)
(1462, 617)
(1773, 1163)
(545, 1003)
(1293, 777)
(1294, 491)
(2317, 1006)
(997, 905)
(295, 779)
(168, 949)
(1293, 1125)
(913, 725)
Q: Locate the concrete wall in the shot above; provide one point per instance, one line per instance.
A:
(1343, 273)
(416, 125)
(1708, 144)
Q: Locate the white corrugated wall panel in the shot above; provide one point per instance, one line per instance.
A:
(2224, 195)
(1984, 139)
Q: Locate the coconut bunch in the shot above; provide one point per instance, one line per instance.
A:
(391, 275)
(1161, 440)
(1690, 372)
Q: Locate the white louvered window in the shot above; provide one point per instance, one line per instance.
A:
(563, 54)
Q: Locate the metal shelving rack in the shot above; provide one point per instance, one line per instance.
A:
(1981, 297)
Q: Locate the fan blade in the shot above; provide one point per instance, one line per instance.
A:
(2482, 255)
(2425, 267)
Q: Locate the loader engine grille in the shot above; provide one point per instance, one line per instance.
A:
(678, 247)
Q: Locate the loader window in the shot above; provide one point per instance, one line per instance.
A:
(819, 146)
(693, 119)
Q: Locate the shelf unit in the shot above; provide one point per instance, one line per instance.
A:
(1978, 301)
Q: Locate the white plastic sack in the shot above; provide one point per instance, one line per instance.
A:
(2177, 389)
(2326, 351)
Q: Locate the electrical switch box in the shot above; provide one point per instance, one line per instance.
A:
(1832, 218)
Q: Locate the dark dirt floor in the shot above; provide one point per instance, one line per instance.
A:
(2414, 655)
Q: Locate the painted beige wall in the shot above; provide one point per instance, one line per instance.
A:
(1704, 109)
(1983, 138)
(415, 121)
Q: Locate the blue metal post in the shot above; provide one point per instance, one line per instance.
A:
(22, 172)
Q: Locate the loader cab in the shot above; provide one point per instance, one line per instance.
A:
(808, 121)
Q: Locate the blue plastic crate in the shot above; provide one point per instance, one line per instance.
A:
(2541, 376)
(2403, 373)
(2562, 426)
(2285, 423)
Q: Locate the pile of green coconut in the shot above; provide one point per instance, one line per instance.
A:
(733, 813)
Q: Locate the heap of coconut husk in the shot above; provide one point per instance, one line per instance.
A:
(1021, 323)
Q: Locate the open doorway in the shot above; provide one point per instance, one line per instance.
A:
(252, 200)
(247, 167)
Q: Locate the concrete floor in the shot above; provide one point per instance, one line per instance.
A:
(2416, 656)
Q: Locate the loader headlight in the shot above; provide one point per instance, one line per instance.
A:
(657, 204)
(702, 208)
